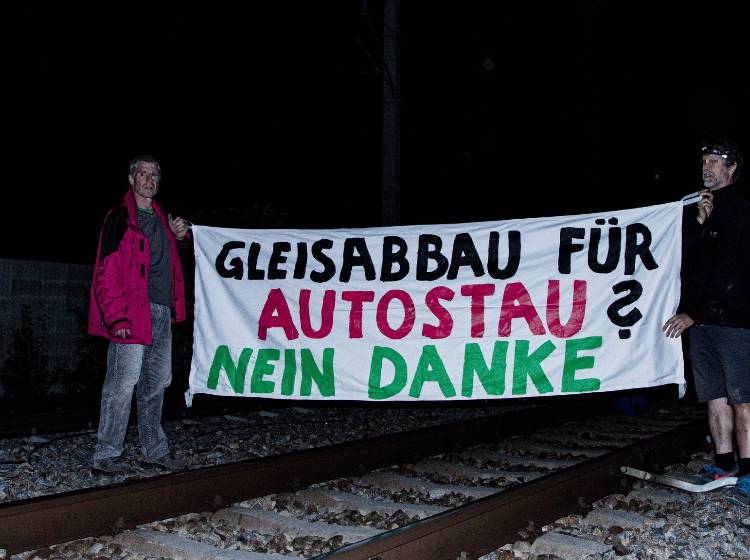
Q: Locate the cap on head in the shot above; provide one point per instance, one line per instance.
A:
(727, 149)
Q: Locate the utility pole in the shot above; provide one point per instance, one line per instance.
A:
(391, 128)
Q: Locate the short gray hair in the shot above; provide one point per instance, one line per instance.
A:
(142, 159)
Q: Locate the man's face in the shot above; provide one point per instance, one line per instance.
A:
(145, 179)
(716, 172)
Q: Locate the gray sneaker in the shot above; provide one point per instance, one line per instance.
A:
(110, 465)
(164, 462)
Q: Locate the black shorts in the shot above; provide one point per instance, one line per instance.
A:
(720, 358)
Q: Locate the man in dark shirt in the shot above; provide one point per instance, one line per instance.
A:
(715, 307)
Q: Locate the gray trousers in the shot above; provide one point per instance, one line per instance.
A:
(149, 370)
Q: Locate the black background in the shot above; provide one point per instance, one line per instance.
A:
(269, 114)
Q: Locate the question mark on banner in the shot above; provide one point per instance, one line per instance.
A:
(635, 290)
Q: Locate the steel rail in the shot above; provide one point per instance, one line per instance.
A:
(43, 521)
(488, 523)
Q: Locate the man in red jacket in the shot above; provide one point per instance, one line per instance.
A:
(136, 293)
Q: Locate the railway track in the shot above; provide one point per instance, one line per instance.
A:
(437, 492)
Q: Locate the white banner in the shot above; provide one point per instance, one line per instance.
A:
(517, 308)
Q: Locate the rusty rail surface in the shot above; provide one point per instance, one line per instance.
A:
(487, 524)
(37, 522)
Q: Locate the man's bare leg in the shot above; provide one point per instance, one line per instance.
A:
(742, 429)
(721, 424)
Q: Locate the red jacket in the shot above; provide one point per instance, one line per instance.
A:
(119, 289)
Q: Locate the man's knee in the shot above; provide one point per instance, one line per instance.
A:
(719, 406)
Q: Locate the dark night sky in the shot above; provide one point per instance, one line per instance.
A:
(508, 111)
